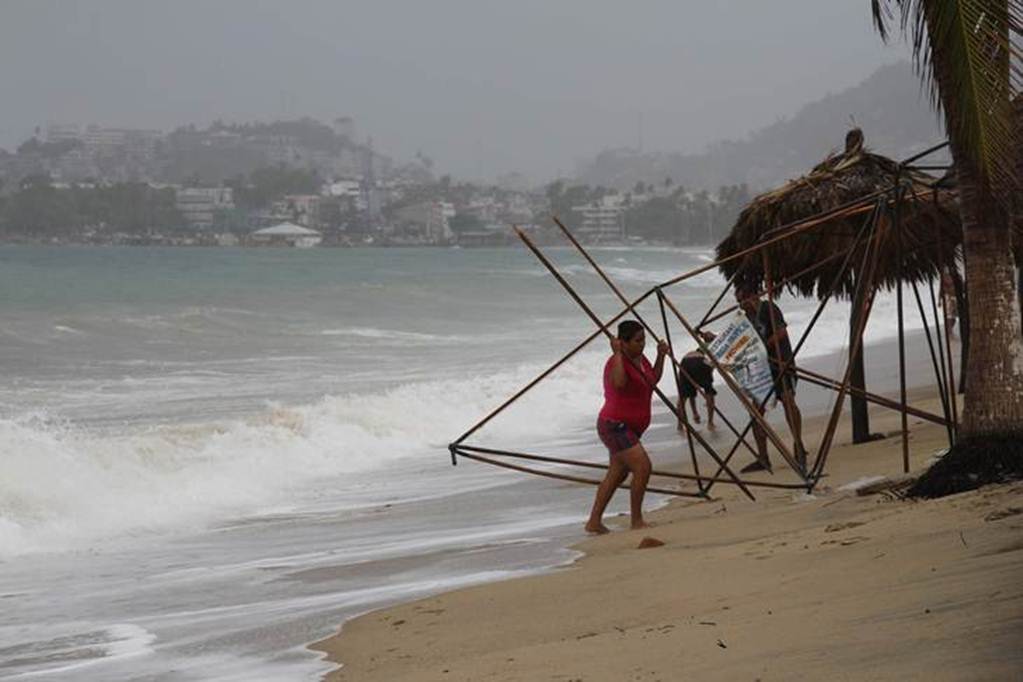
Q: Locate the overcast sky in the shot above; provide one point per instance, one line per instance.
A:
(482, 87)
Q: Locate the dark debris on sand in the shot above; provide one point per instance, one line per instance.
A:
(972, 463)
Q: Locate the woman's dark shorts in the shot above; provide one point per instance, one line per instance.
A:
(617, 436)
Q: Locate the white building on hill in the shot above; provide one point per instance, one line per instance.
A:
(286, 234)
(199, 205)
(603, 220)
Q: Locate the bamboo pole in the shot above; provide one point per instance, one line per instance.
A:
(939, 368)
(678, 387)
(717, 301)
(547, 372)
(834, 385)
(565, 477)
(926, 152)
(594, 465)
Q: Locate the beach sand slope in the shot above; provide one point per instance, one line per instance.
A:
(793, 587)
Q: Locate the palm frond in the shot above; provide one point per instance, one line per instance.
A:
(968, 52)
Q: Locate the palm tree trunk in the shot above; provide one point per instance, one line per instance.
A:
(994, 392)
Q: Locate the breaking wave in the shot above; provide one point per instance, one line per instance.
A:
(62, 487)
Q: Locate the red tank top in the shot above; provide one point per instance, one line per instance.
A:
(631, 403)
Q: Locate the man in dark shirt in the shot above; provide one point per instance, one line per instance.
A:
(769, 322)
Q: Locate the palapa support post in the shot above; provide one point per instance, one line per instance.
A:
(867, 283)
(902, 331)
(660, 394)
(857, 405)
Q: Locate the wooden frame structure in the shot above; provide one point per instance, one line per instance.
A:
(881, 211)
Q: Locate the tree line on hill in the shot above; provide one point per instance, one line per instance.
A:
(37, 209)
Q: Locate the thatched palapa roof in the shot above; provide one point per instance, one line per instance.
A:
(929, 226)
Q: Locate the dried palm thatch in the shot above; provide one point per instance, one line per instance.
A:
(930, 230)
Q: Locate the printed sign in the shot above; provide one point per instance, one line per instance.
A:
(741, 351)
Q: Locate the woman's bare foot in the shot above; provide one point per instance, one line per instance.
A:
(696, 417)
(636, 525)
(597, 529)
(711, 426)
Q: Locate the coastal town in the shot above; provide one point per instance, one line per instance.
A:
(303, 183)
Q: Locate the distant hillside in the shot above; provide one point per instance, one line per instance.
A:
(889, 106)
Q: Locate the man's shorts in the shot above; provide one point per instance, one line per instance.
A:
(786, 381)
(616, 435)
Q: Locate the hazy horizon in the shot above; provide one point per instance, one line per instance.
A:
(483, 88)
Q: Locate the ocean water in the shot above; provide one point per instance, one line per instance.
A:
(211, 457)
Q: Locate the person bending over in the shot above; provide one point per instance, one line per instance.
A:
(695, 365)
(629, 382)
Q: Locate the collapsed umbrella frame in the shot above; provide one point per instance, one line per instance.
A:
(882, 211)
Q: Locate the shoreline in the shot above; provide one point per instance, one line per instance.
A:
(574, 626)
(829, 586)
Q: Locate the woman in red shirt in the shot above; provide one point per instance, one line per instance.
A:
(629, 382)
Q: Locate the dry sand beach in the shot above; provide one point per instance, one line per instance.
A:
(831, 586)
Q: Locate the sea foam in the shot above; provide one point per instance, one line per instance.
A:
(64, 487)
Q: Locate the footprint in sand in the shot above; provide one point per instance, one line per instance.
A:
(846, 541)
(1003, 513)
(835, 527)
